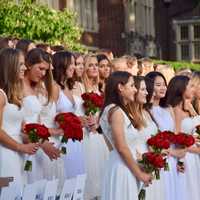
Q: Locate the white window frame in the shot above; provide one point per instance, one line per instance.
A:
(92, 25)
(177, 24)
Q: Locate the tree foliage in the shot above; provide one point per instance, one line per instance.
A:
(39, 23)
(178, 64)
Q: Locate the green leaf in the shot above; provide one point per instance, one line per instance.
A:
(39, 23)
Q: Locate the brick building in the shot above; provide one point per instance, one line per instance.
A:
(123, 26)
(177, 25)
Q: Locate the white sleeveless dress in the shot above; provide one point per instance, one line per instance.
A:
(119, 183)
(74, 159)
(11, 162)
(95, 154)
(52, 169)
(190, 180)
(32, 108)
(156, 190)
(165, 122)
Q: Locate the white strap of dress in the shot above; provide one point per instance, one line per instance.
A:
(81, 87)
(4, 95)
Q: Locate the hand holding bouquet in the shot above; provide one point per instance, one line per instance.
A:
(92, 102)
(161, 141)
(71, 126)
(151, 163)
(183, 140)
(37, 133)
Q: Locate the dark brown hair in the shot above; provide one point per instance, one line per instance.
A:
(36, 56)
(176, 89)
(23, 45)
(61, 61)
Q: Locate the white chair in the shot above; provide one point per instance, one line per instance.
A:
(68, 189)
(80, 186)
(40, 188)
(13, 191)
(51, 190)
(29, 192)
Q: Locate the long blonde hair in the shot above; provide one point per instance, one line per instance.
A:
(9, 75)
(136, 109)
(86, 80)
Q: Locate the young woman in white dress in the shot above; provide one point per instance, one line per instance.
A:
(38, 72)
(93, 143)
(164, 118)
(122, 173)
(12, 69)
(186, 120)
(52, 168)
(63, 63)
(146, 128)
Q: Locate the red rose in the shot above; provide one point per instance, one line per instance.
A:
(71, 125)
(151, 141)
(189, 141)
(149, 156)
(164, 144)
(159, 161)
(85, 96)
(92, 102)
(36, 131)
(180, 138)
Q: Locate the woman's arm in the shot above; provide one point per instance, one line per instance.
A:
(117, 122)
(7, 141)
(178, 153)
(194, 149)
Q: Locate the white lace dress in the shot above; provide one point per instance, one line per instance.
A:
(165, 122)
(119, 182)
(11, 162)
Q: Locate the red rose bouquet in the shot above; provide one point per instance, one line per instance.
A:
(161, 141)
(92, 102)
(151, 163)
(183, 140)
(71, 125)
(36, 133)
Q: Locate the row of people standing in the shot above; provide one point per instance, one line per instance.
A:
(37, 96)
(136, 108)
(33, 90)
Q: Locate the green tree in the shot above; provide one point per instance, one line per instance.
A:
(39, 23)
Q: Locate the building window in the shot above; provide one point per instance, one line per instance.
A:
(197, 51)
(87, 14)
(188, 40)
(184, 32)
(197, 31)
(185, 51)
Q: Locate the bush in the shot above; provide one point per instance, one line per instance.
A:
(177, 65)
(39, 23)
